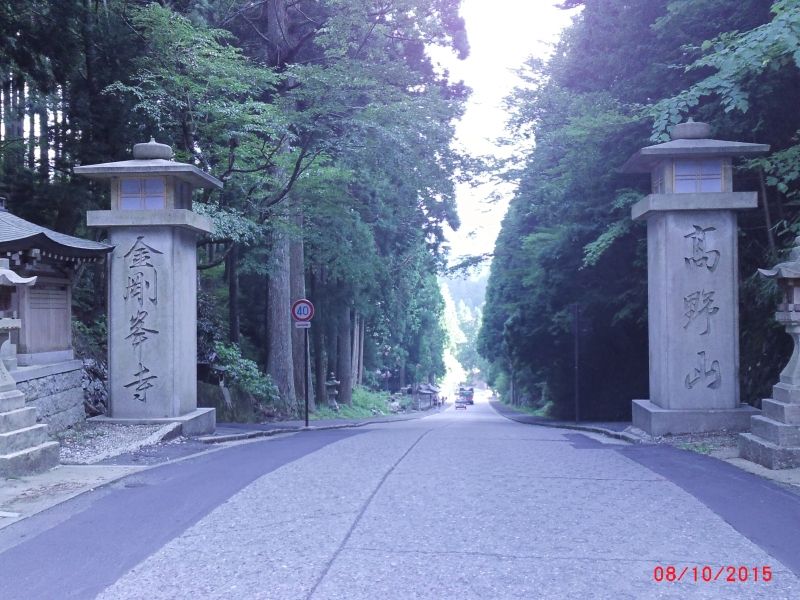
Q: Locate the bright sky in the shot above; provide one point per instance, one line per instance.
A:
(502, 34)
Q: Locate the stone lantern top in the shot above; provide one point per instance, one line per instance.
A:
(151, 150)
(689, 140)
(690, 130)
(786, 270)
(10, 278)
(151, 158)
(150, 190)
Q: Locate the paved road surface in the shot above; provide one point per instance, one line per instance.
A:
(462, 505)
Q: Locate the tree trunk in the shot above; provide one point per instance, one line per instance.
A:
(280, 363)
(345, 355)
(332, 341)
(265, 332)
(31, 158)
(360, 377)
(354, 353)
(767, 219)
(44, 144)
(18, 114)
(232, 270)
(277, 31)
(6, 107)
(300, 358)
(60, 128)
(89, 91)
(14, 125)
(318, 341)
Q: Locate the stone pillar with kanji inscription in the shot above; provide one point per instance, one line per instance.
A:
(152, 287)
(693, 298)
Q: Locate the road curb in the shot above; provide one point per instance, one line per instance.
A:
(509, 414)
(257, 433)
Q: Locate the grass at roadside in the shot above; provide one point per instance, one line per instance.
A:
(366, 403)
(536, 412)
(700, 448)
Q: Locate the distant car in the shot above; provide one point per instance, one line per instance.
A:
(461, 403)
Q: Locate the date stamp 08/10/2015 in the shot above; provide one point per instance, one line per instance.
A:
(709, 574)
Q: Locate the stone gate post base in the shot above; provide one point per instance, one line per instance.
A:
(198, 422)
(657, 421)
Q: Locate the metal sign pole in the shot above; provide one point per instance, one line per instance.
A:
(302, 313)
(305, 360)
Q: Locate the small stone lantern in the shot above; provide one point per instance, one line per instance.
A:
(693, 298)
(774, 440)
(24, 445)
(152, 302)
(332, 391)
(8, 350)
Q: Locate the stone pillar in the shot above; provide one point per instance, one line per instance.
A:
(693, 298)
(152, 320)
(152, 291)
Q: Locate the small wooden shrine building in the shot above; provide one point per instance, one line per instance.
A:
(46, 308)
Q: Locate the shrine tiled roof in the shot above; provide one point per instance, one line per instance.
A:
(18, 234)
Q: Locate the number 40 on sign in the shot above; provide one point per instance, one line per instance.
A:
(302, 313)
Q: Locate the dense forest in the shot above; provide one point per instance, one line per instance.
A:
(330, 129)
(622, 74)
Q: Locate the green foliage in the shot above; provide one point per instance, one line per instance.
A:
(245, 374)
(91, 340)
(542, 411)
(190, 79)
(331, 127)
(738, 60)
(568, 237)
(782, 170)
(209, 327)
(366, 403)
(593, 251)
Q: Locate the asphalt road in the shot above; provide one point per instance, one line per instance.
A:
(463, 504)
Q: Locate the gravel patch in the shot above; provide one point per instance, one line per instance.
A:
(89, 443)
(720, 444)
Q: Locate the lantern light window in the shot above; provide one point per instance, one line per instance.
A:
(693, 176)
(142, 193)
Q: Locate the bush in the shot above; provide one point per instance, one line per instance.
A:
(91, 341)
(366, 403)
(244, 373)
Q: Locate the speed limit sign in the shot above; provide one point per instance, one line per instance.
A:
(302, 311)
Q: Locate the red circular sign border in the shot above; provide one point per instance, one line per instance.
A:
(306, 302)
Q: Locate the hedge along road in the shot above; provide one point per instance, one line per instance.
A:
(462, 504)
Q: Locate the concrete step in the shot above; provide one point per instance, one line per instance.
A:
(27, 437)
(767, 454)
(17, 419)
(774, 431)
(11, 400)
(31, 460)
(785, 412)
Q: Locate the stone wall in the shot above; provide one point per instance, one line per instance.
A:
(55, 391)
